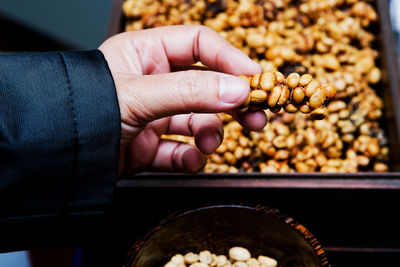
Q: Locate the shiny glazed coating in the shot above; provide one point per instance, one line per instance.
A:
(331, 40)
(271, 90)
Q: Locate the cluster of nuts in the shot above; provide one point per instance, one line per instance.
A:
(295, 93)
(332, 40)
(238, 257)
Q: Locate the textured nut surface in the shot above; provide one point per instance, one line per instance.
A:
(267, 81)
(239, 254)
(329, 41)
(191, 258)
(205, 257)
(293, 80)
(258, 96)
(267, 261)
(274, 96)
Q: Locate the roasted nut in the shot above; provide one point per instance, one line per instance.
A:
(293, 79)
(311, 88)
(221, 260)
(298, 95)
(380, 167)
(240, 264)
(329, 41)
(305, 109)
(267, 81)
(255, 80)
(290, 108)
(205, 257)
(331, 62)
(258, 96)
(318, 98)
(198, 264)
(305, 79)
(191, 258)
(178, 259)
(318, 114)
(239, 254)
(284, 96)
(171, 264)
(267, 261)
(274, 96)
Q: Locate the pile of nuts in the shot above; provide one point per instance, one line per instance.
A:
(295, 93)
(238, 257)
(332, 40)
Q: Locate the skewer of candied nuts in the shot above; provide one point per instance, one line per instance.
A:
(271, 90)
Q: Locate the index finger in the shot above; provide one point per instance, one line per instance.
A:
(188, 44)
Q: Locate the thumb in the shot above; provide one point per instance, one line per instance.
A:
(146, 98)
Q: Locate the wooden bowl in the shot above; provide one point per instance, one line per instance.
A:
(263, 231)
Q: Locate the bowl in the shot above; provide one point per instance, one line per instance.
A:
(262, 230)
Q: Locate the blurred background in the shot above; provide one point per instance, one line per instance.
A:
(46, 25)
(50, 25)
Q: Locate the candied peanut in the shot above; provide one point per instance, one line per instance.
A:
(380, 167)
(253, 263)
(267, 81)
(362, 160)
(205, 257)
(290, 108)
(318, 98)
(335, 106)
(258, 96)
(239, 254)
(305, 109)
(374, 75)
(274, 96)
(240, 264)
(373, 149)
(298, 95)
(229, 158)
(267, 261)
(279, 77)
(330, 62)
(305, 79)
(171, 264)
(198, 264)
(330, 90)
(311, 88)
(191, 258)
(255, 80)
(221, 260)
(318, 114)
(293, 79)
(282, 154)
(255, 40)
(279, 141)
(284, 96)
(178, 259)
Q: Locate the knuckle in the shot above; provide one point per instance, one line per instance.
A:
(192, 88)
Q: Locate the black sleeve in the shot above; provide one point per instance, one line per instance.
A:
(59, 135)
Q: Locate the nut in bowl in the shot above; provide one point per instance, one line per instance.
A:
(237, 235)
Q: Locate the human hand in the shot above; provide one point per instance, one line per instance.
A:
(155, 101)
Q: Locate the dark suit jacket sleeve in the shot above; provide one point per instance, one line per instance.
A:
(59, 135)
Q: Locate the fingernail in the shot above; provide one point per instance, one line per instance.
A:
(232, 89)
(193, 161)
(210, 143)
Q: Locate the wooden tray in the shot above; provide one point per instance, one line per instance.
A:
(352, 215)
